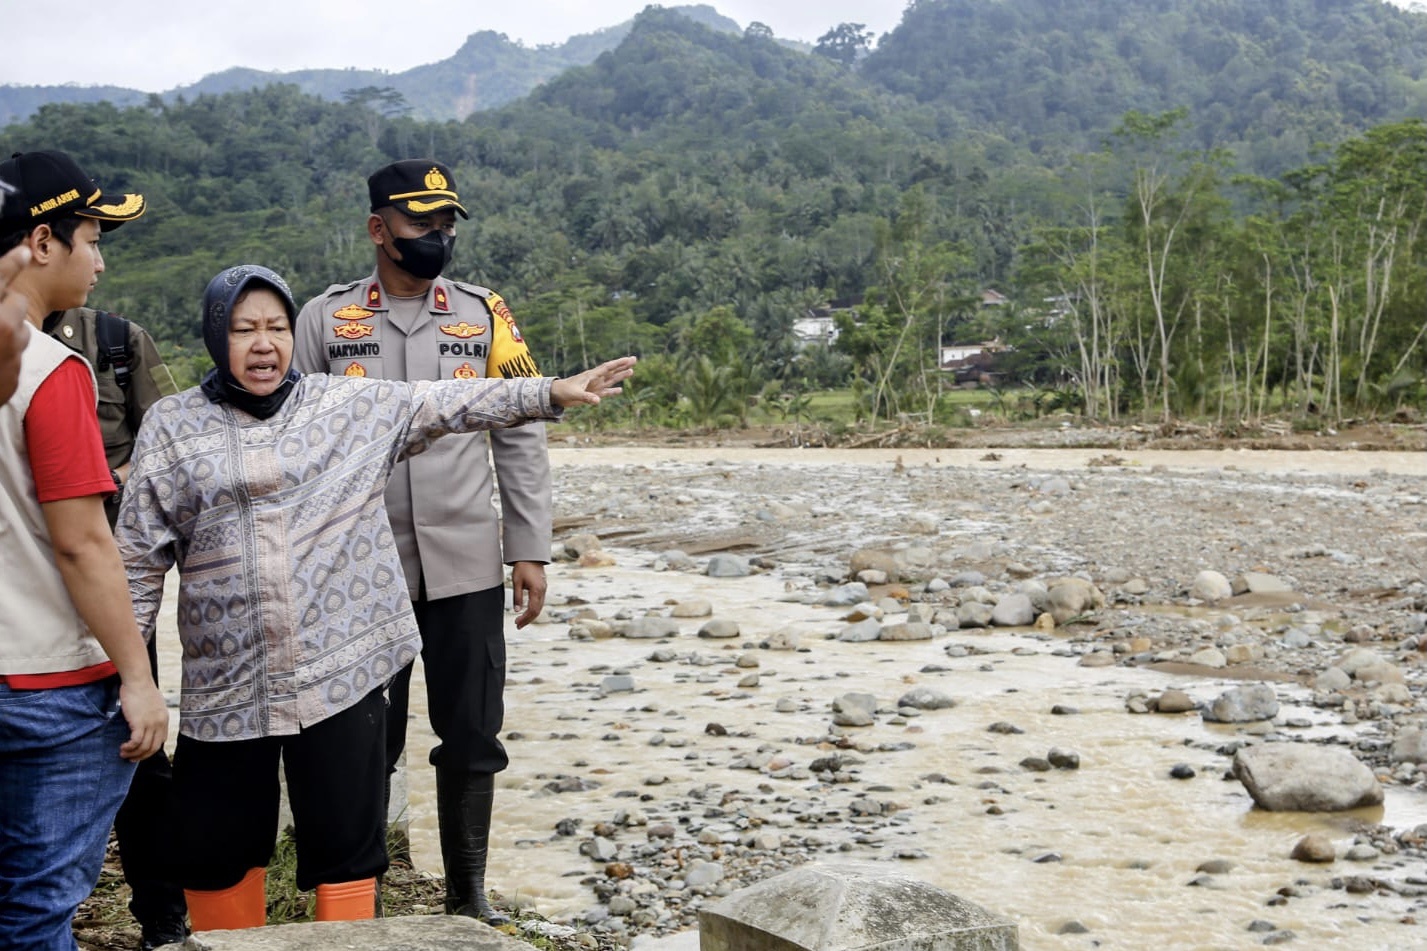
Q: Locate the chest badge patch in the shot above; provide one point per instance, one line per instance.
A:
(352, 312)
(462, 330)
(354, 369)
(466, 372)
(352, 330)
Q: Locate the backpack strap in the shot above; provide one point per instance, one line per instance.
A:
(111, 334)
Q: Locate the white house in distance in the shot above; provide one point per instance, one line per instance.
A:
(815, 329)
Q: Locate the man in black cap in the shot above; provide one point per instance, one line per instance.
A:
(407, 322)
(78, 702)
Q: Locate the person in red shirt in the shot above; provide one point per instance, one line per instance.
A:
(78, 704)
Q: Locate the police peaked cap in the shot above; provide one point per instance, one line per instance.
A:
(415, 187)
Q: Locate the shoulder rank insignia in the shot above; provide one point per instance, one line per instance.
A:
(352, 312)
(352, 330)
(354, 369)
(498, 307)
(462, 330)
(465, 372)
(439, 299)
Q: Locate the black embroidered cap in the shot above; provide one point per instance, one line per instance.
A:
(48, 185)
(415, 187)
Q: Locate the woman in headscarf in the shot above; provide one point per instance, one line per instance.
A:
(266, 488)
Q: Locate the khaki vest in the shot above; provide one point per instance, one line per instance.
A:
(40, 631)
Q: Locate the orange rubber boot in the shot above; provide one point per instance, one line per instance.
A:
(244, 905)
(347, 901)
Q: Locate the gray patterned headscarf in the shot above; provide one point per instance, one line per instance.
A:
(219, 384)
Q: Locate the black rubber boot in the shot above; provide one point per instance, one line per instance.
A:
(463, 811)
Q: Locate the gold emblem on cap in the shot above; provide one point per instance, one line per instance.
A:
(130, 206)
(436, 181)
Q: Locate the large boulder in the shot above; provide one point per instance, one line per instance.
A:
(849, 906)
(1296, 777)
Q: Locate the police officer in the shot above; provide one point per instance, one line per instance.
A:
(131, 377)
(407, 322)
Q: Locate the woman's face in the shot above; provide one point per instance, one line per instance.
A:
(259, 341)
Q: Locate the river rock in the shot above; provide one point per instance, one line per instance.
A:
(1174, 700)
(1210, 586)
(973, 614)
(650, 627)
(1314, 848)
(854, 709)
(1071, 597)
(695, 607)
(1014, 610)
(727, 566)
(1410, 747)
(719, 629)
(1243, 705)
(1295, 777)
(854, 592)
(926, 698)
(872, 559)
(1257, 582)
(907, 631)
(867, 630)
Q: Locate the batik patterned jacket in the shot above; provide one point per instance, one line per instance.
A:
(292, 605)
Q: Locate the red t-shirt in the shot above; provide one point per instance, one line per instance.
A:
(67, 461)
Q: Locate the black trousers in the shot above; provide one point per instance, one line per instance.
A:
(144, 827)
(228, 798)
(463, 653)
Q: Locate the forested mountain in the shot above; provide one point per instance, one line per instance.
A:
(489, 70)
(1268, 78)
(691, 193)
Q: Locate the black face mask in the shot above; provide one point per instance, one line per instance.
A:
(424, 257)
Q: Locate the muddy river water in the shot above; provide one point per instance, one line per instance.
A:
(1113, 845)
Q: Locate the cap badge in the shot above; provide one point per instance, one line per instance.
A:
(436, 181)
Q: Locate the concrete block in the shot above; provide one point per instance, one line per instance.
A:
(850, 907)
(411, 933)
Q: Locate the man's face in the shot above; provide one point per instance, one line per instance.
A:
(77, 267)
(259, 342)
(402, 225)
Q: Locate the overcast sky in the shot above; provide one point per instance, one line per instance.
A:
(155, 45)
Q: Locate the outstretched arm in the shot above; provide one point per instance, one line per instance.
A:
(593, 385)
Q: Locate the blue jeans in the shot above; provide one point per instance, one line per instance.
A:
(61, 782)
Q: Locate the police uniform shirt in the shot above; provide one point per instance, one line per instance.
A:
(440, 502)
(148, 375)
